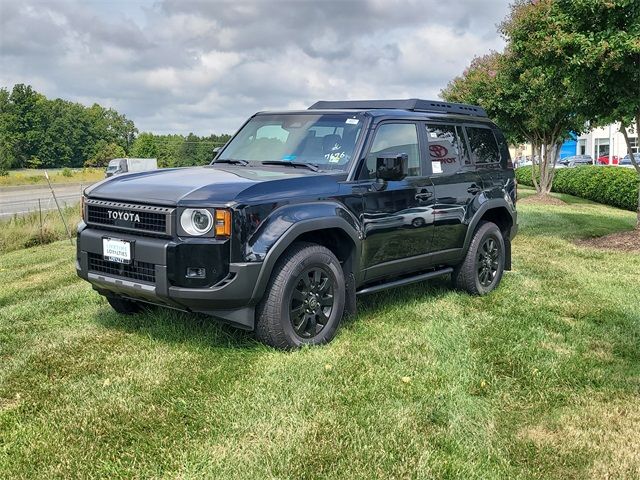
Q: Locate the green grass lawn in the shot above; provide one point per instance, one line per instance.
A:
(26, 230)
(32, 176)
(540, 379)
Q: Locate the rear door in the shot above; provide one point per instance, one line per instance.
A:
(397, 215)
(489, 162)
(457, 184)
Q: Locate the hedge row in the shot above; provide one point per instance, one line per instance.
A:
(615, 186)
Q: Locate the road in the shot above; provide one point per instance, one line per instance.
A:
(17, 201)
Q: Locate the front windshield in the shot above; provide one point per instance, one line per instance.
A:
(327, 141)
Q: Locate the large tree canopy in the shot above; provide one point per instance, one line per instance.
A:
(596, 44)
(525, 97)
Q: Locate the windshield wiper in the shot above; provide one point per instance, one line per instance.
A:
(310, 166)
(233, 161)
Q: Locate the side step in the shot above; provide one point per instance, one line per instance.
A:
(405, 281)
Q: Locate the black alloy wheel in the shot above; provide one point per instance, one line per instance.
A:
(312, 302)
(305, 298)
(483, 266)
(488, 261)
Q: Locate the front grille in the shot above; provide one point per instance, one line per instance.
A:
(123, 216)
(142, 271)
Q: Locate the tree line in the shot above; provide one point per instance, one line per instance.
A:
(568, 66)
(37, 132)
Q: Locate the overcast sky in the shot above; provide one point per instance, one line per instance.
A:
(180, 66)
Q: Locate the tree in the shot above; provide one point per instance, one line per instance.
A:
(105, 153)
(38, 132)
(26, 106)
(525, 97)
(7, 138)
(596, 43)
(144, 146)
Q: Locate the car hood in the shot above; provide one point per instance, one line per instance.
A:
(201, 185)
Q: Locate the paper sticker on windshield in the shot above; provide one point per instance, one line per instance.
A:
(352, 121)
(334, 157)
(436, 166)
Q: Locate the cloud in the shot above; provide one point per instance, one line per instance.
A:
(203, 66)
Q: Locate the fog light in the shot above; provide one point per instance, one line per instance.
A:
(196, 272)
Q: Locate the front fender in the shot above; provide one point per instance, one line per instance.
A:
(286, 224)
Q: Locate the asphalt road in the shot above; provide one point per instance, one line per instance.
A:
(19, 201)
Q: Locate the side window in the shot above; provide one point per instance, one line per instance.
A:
(394, 139)
(502, 145)
(446, 149)
(483, 145)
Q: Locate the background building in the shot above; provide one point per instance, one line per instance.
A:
(605, 141)
(599, 142)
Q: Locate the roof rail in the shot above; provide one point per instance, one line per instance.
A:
(412, 104)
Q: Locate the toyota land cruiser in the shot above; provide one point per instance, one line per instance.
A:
(303, 210)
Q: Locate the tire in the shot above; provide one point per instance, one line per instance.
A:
(125, 307)
(305, 273)
(483, 266)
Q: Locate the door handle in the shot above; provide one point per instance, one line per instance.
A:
(474, 189)
(424, 196)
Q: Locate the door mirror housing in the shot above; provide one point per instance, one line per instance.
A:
(392, 168)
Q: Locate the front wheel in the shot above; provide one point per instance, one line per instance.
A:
(483, 265)
(304, 302)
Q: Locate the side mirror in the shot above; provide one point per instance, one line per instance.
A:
(392, 168)
(216, 150)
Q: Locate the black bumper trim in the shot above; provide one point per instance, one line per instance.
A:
(230, 299)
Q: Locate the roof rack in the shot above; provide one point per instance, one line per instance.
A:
(412, 104)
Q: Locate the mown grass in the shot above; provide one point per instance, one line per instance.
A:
(28, 230)
(56, 175)
(540, 379)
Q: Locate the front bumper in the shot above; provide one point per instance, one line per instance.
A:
(229, 298)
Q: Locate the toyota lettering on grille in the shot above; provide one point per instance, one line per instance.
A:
(121, 215)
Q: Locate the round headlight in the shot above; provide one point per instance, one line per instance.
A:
(196, 221)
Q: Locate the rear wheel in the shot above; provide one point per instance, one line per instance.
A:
(305, 299)
(483, 266)
(125, 307)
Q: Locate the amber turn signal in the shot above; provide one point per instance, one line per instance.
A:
(223, 223)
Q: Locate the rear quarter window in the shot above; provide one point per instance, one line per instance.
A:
(446, 149)
(483, 145)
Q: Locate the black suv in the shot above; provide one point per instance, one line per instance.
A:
(301, 211)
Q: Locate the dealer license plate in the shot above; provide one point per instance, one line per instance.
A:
(115, 250)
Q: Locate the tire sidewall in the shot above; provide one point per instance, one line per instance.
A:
(334, 270)
(490, 231)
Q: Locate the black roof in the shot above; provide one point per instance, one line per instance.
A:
(411, 104)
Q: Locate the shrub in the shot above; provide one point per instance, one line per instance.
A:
(41, 238)
(613, 186)
(66, 172)
(4, 172)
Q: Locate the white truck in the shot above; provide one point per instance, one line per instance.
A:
(126, 165)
